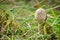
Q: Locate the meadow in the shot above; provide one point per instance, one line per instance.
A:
(17, 20)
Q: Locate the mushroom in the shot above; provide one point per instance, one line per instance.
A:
(40, 16)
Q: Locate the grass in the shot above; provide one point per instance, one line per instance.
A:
(18, 23)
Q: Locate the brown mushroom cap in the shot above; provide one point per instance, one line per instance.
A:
(40, 15)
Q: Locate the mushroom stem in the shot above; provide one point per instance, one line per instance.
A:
(40, 29)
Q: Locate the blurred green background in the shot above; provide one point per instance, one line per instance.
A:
(17, 21)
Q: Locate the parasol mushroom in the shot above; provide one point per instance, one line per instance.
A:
(40, 16)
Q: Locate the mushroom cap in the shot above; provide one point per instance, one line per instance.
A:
(40, 15)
